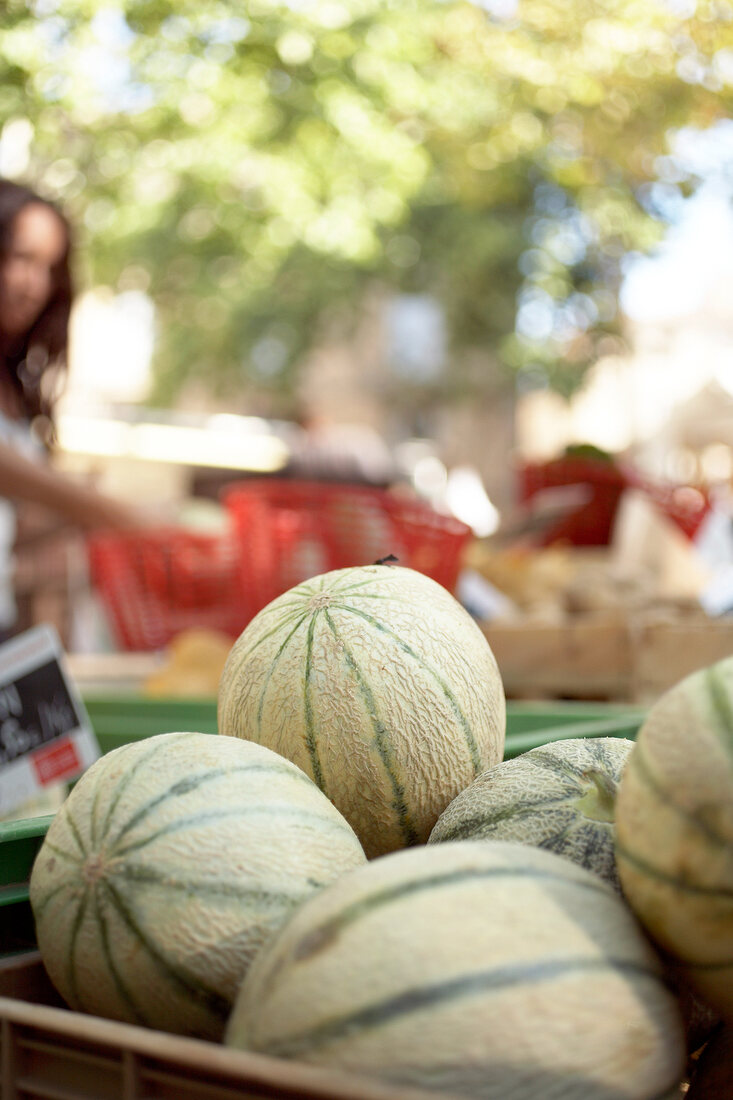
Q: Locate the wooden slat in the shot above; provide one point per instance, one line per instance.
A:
(667, 651)
(589, 657)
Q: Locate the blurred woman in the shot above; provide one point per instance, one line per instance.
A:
(35, 303)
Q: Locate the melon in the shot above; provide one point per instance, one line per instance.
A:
(674, 830)
(380, 686)
(486, 969)
(167, 868)
(559, 796)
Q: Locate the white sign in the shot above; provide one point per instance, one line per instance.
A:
(45, 733)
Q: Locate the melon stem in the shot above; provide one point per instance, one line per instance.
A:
(598, 803)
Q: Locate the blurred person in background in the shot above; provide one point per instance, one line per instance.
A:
(35, 303)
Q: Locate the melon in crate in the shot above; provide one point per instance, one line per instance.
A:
(380, 686)
(170, 864)
(485, 969)
(674, 830)
(560, 796)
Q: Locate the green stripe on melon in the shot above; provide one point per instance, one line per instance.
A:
(379, 685)
(559, 797)
(482, 968)
(675, 830)
(168, 867)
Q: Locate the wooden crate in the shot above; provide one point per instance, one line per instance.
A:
(667, 650)
(49, 1052)
(588, 657)
(630, 658)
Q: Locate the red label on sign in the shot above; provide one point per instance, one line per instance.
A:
(58, 760)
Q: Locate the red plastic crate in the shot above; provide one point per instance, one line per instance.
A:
(302, 528)
(591, 524)
(156, 583)
(686, 505)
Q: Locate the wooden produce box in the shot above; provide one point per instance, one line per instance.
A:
(667, 650)
(50, 1052)
(588, 657)
(631, 658)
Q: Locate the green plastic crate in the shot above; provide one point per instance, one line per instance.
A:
(529, 725)
(19, 844)
(527, 717)
(118, 720)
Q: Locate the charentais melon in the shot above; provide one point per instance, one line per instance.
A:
(380, 686)
(170, 864)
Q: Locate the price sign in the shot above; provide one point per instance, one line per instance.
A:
(45, 733)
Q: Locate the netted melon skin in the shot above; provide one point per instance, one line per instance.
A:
(674, 830)
(380, 686)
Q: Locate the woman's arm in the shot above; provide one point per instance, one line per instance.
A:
(23, 479)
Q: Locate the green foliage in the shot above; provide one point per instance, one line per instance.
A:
(257, 166)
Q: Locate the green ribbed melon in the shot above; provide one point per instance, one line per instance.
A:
(559, 796)
(170, 864)
(487, 969)
(380, 686)
(674, 830)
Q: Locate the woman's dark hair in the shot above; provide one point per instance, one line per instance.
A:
(37, 363)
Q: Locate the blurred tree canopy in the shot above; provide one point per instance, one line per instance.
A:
(256, 166)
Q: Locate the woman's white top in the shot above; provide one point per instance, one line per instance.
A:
(16, 434)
